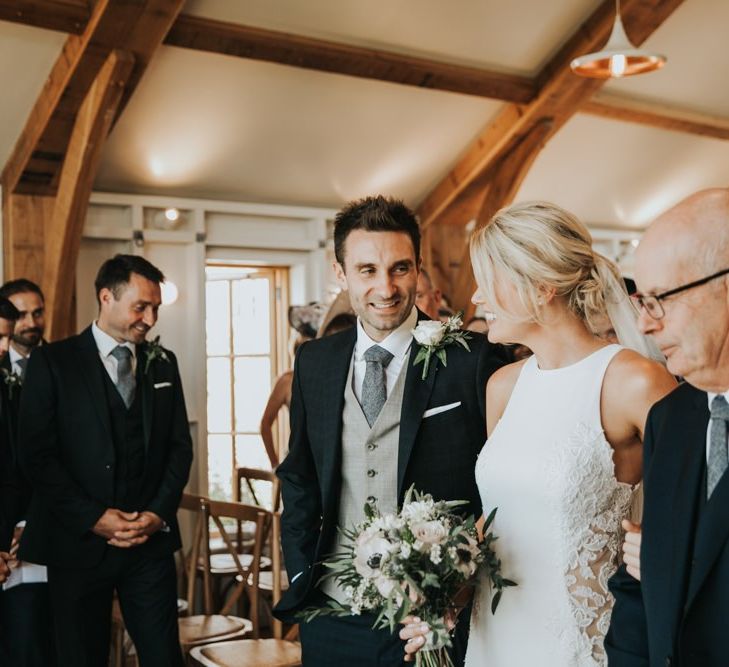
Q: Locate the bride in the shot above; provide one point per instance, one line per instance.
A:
(564, 447)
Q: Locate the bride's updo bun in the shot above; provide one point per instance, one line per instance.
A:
(535, 245)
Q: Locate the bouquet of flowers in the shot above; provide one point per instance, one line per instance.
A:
(412, 562)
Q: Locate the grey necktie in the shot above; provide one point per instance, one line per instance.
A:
(374, 387)
(22, 365)
(718, 456)
(124, 376)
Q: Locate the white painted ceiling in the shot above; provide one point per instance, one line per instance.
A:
(207, 125)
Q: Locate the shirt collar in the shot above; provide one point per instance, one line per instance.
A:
(106, 343)
(397, 342)
(711, 396)
(15, 356)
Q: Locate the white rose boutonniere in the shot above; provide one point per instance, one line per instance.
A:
(434, 336)
(13, 381)
(154, 350)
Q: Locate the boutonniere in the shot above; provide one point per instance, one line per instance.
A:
(12, 381)
(434, 336)
(154, 351)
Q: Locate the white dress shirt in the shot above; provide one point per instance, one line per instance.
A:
(711, 397)
(15, 357)
(397, 343)
(105, 343)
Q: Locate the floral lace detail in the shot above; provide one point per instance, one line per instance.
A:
(592, 504)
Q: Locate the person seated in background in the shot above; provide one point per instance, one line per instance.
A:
(428, 296)
(333, 322)
(477, 324)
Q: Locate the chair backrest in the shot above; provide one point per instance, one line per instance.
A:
(246, 477)
(248, 568)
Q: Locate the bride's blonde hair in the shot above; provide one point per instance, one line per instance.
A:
(537, 245)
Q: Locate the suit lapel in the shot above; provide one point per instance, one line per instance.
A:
(91, 370)
(414, 402)
(712, 530)
(145, 384)
(686, 455)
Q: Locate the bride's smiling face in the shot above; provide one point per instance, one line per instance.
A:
(508, 319)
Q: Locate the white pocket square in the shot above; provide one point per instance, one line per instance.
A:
(162, 385)
(439, 409)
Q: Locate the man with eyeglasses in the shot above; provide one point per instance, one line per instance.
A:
(672, 594)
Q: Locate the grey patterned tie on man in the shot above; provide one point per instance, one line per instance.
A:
(124, 375)
(718, 454)
(374, 386)
(22, 365)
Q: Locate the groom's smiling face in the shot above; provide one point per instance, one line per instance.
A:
(380, 271)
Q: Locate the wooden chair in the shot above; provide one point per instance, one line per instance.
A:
(248, 653)
(275, 652)
(245, 478)
(213, 627)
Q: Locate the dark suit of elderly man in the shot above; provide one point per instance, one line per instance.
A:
(677, 612)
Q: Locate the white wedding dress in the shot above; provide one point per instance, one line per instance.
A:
(549, 470)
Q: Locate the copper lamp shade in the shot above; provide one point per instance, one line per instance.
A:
(619, 58)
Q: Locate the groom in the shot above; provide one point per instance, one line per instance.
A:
(365, 426)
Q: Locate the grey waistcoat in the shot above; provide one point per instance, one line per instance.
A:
(369, 461)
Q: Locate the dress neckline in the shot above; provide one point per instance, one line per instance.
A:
(574, 364)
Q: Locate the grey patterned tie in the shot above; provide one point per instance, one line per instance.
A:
(718, 455)
(374, 387)
(22, 365)
(124, 376)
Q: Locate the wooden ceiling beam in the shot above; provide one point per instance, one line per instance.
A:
(69, 16)
(194, 32)
(137, 27)
(560, 96)
(655, 115)
(63, 235)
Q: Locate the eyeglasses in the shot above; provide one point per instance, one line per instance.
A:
(652, 302)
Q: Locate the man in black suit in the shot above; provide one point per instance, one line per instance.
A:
(25, 608)
(677, 612)
(105, 442)
(11, 488)
(365, 426)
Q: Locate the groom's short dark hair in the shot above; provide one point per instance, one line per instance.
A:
(375, 214)
(116, 272)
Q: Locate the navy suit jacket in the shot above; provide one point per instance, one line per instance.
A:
(678, 615)
(67, 451)
(438, 454)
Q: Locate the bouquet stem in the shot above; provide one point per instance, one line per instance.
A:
(433, 658)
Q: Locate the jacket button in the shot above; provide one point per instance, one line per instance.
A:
(372, 446)
(669, 662)
(371, 473)
(108, 466)
(371, 500)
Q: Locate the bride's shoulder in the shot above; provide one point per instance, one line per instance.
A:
(499, 388)
(632, 377)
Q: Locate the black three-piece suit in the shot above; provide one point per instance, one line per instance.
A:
(678, 614)
(437, 454)
(84, 452)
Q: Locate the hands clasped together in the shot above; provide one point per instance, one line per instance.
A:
(127, 529)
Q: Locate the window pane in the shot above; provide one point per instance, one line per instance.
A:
(250, 453)
(251, 315)
(220, 467)
(219, 411)
(252, 387)
(217, 323)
